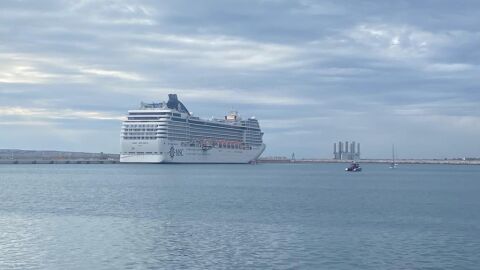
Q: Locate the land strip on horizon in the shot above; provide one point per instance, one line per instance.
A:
(17, 156)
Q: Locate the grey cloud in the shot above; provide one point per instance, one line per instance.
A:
(379, 71)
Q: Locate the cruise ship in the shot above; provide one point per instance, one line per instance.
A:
(167, 132)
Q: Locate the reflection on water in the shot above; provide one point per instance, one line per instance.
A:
(238, 216)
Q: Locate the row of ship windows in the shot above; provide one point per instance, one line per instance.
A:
(150, 113)
(130, 137)
(139, 125)
(215, 135)
(219, 145)
(227, 146)
(204, 130)
(143, 133)
(151, 127)
(183, 136)
(177, 130)
(142, 138)
(139, 134)
(215, 138)
(216, 131)
(219, 133)
(196, 145)
(191, 126)
(155, 113)
(186, 126)
(178, 135)
(196, 123)
(217, 127)
(183, 133)
(234, 146)
(148, 117)
(195, 131)
(195, 134)
(203, 134)
(139, 129)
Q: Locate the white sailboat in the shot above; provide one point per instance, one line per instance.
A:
(393, 165)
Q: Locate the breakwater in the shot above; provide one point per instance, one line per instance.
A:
(34, 161)
(17, 156)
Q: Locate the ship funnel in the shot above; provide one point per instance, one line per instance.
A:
(174, 103)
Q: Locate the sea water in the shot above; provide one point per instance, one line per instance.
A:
(265, 216)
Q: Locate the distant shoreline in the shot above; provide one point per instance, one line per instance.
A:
(16, 156)
(57, 161)
(301, 161)
(377, 161)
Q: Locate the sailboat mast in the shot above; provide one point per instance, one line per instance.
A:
(393, 154)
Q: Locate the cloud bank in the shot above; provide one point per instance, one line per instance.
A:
(312, 72)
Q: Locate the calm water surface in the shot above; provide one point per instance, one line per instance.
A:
(291, 216)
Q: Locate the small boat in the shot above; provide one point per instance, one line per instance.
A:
(354, 167)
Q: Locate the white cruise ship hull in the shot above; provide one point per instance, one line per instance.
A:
(167, 151)
(168, 133)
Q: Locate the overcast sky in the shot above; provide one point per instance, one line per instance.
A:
(313, 72)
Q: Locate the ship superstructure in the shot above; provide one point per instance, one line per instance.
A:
(167, 132)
